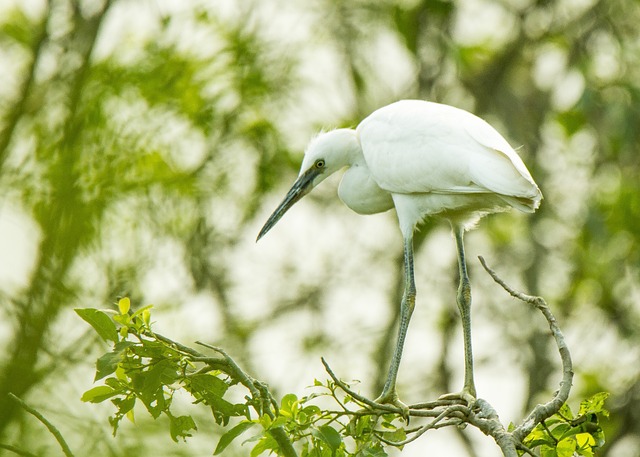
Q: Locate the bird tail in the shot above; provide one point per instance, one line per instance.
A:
(524, 204)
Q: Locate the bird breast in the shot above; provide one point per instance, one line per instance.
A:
(361, 193)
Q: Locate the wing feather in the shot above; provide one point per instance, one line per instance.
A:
(414, 146)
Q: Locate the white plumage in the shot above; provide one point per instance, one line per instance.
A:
(424, 159)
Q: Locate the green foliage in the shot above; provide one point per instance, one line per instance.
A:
(148, 369)
(566, 435)
(142, 368)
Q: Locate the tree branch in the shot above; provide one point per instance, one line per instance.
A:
(542, 412)
(54, 431)
(16, 450)
(261, 394)
(481, 414)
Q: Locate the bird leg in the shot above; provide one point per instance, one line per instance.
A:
(468, 393)
(389, 394)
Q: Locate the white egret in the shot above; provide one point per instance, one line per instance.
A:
(426, 159)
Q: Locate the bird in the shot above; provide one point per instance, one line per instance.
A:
(425, 159)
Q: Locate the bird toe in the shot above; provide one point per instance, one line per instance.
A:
(391, 398)
(464, 396)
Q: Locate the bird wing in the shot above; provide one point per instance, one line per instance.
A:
(414, 146)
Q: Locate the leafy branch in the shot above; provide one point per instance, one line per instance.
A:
(148, 368)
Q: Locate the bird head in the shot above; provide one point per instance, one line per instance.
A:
(326, 153)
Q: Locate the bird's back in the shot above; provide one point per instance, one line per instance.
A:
(418, 147)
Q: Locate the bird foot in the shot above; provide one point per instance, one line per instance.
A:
(391, 398)
(465, 396)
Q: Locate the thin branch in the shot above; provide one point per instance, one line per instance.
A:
(237, 372)
(541, 412)
(260, 393)
(436, 404)
(264, 400)
(362, 399)
(258, 390)
(54, 431)
(524, 448)
(16, 450)
(438, 422)
(180, 347)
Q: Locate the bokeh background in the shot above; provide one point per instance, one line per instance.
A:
(144, 142)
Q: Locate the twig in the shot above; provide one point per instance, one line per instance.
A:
(438, 422)
(180, 347)
(524, 448)
(436, 404)
(258, 390)
(264, 401)
(16, 450)
(241, 376)
(54, 431)
(261, 394)
(357, 396)
(541, 412)
(439, 410)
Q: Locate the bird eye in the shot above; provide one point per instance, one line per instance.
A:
(320, 163)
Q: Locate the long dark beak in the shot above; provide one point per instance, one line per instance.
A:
(300, 188)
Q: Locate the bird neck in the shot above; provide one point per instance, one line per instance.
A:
(348, 143)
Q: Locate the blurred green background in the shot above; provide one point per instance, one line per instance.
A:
(144, 142)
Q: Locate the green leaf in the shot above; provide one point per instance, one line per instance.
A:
(107, 364)
(208, 384)
(396, 435)
(223, 410)
(566, 412)
(585, 440)
(100, 321)
(289, 404)
(594, 404)
(266, 443)
(329, 435)
(122, 319)
(114, 383)
(562, 431)
(231, 435)
(99, 394)
(179, 426)
(280, 421)
(598, 435)
(265, 421)
(115, 422)
(162, 373)
(124, 405)
(374, 450)
(143, 310)
(311, 410)
(124, 304)
(566, 447)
